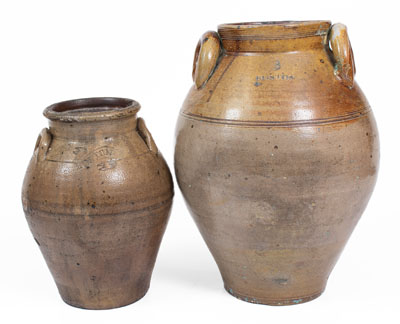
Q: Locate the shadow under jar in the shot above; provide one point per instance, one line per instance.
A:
(97, 197)
(276, 155)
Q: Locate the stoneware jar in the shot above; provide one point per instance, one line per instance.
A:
(276, 155)
(97, 196)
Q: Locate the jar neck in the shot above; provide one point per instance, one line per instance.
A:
(286, 36)
(92, 130)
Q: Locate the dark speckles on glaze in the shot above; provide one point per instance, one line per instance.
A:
(98, 204)
(295, 148)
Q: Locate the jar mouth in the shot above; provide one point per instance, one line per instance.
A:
(92, 109)
(274, 29)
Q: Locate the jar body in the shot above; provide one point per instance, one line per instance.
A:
(98, 204)
(276, 159)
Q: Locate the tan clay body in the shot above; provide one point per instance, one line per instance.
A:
(276, 155)
(97, 196)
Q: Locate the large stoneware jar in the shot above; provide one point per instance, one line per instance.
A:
(97, 196)
(276, 155)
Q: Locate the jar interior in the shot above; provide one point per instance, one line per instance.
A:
(257, 23)
(91, 105)
(92, 109)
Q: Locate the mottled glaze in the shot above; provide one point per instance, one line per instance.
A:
(97, 196)
(277, 155)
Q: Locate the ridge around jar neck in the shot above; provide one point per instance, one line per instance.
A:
(274, 36)
(92, 109)
(88, 118)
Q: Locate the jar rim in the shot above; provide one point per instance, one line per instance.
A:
(274, 29)
(92, 109)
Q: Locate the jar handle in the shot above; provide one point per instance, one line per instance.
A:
(345, 68)
(146, 136)
(206, 57)
(42, 145)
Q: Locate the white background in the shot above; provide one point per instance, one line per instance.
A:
(57, 50)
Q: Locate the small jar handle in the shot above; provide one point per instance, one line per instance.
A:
(146, 136)
(206, 57)
(42, 145)
(345, 68)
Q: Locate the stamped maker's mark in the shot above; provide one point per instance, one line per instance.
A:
(101, 157)
(274, 76)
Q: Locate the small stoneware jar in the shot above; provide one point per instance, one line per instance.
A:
(97, 197)
(277, 154)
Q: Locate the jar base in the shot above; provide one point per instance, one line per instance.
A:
(103, 305)
(273, 302)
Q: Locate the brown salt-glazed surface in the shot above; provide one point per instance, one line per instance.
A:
(97, 196)
(276, 155)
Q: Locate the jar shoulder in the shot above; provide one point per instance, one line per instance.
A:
(105, 173)
(275, 87)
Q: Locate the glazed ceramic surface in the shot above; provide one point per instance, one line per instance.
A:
(97, 196)
(276, 155)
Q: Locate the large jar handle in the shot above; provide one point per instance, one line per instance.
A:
(206, 57)
(42, 145)
(146, 136)
(345, 68)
